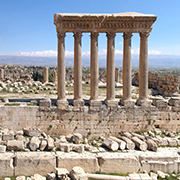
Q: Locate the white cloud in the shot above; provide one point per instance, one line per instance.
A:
(153, 52)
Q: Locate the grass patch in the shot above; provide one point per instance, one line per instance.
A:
(13, 104)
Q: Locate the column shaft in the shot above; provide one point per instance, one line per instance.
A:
(143, 66)
(127, 79)
(61, 66)
(46, 75)
(110, 99)
(77, 69)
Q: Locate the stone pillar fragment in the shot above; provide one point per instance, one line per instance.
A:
(110, 99)
(143, 68)
(1, 74)
(94, 70)
(61, 100)
(46, 75)
(54, 76)
(77, 101)
(117, 75)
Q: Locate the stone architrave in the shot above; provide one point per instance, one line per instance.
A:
(110, 99)
(61, 100)
(94, 70)
(143, 68)
(46, 75)
(77, 101)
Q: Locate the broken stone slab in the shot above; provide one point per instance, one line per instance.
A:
(78, 148)
(120, 163)
(77, 138)
(43, 144)
(87, 160)
(51, 176)
(139, 143)
(38, 177)
(31, 132)
(34, 143)
(28, 163)
(66, 147)
(16, 145)
(50, 143)
(122, 144)
(2, 148)
(6, 164)
(77, 173)
(129, 144)
(151, 145)
(62, 173)
(112, 145)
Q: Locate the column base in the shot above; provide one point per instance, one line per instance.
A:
(78, 102)
(111, 102)
(144, 103)
(129, 103)
(95, 103)
(61, 103)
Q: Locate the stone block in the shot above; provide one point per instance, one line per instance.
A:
(6, 164)
(78, 103)
(45, 102)
(95, 103)
(62, 104)
(15, 145)
(88, 161)
(118, 163)
(2, 148)
(31, 132)
(29, 163)
(111, 103)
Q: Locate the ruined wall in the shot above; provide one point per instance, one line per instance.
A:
(165, 86)
(90, 121)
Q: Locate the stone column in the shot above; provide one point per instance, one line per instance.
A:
(61, 101)
(1, 74)
(143, 68)
(127, 79)
(54, 76)
(94, 70)
(46, 75)
(117, 75)
(110, 99)
(77, 101)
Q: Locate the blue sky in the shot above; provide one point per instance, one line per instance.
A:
(27, 25)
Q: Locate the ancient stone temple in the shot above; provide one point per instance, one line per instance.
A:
(111, 24)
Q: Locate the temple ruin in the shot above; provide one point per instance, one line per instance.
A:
(126, 23)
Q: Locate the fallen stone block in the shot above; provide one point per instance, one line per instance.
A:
(77, 138)
(50, 143)
(122, 144)
(112, 145)
(62, 173)
(78, 148)
(118, 163)
(139, 144)
(16, 145)
(77, 173)
(34, 143)
(65, 147)
(129, 144)
(43, 144)
(88, 161)
(38, 177)
(2, 148)
(6, 164)
(31, 132)
(28, 163)
(151, 145)
(51, 176)
(9, 135)
(21, 178)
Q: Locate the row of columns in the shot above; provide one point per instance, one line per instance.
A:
(127, 79)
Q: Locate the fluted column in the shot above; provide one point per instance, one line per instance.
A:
(110, 99)
(77, 101)
(143, 67)
(94, 70)
(127, 79)
(61, 69)
(46, 75)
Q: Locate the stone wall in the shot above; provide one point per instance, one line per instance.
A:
(90, 121)
(161, 85)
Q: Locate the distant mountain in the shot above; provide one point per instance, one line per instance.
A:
(49, 58)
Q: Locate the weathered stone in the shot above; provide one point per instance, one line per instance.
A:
(151, 145)
(50, 143)
(122, 144)
(77, 138)
(9, 135)
(153, 175)
(139, 143)
(2, 148)
(112, 145)
(69, 137)
(62, 173)
(28, 163)
(65, 147)
(78, 148)
(21, 178)
(51, 176)
(129, 144)
(38, 177)
(15, 145)
(161, 174)
(34, 143)
(31, 132)
(43, 144)
(77, 173)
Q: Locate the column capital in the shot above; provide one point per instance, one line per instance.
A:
(110, 34)
(94, 35)
(144, 34)
(77, 34)
(61, 34)
(127, 35)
